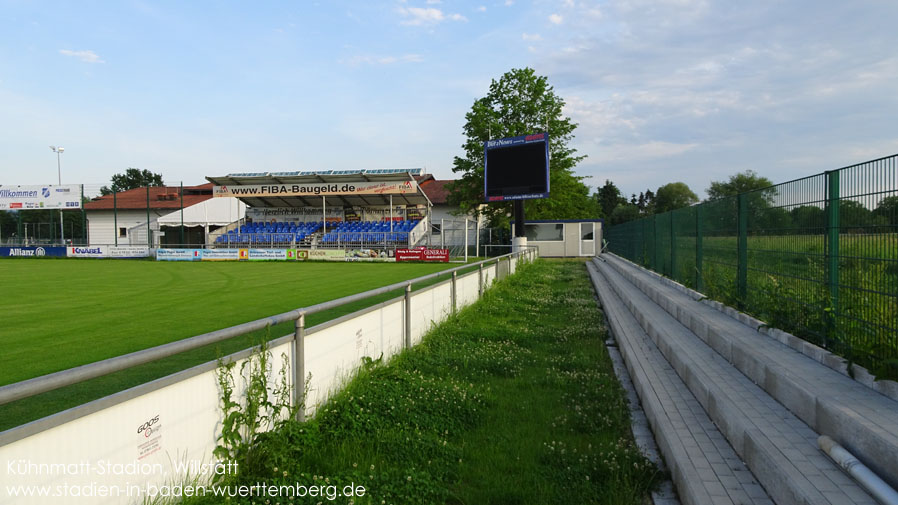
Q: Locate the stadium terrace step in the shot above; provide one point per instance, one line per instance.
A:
(860, 419)
(777, 447)
(705, 468)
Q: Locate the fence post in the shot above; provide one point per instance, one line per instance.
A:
(832, 239)
(655, 244)
(742, 249)
(480, 281)
(299, 367)
(408, 316)
(673, 248)
(699, 225)
(454, 290)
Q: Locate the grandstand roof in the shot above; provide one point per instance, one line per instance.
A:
(161, 197)
(326, 176)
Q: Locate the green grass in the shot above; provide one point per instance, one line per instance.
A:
(513, 401)
(66, 313)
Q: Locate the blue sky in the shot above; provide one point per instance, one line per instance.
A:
(663, 91)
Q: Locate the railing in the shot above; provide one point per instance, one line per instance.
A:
(817, 256)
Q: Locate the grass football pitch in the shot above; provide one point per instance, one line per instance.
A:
(58, 314)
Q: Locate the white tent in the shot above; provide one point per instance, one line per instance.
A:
(212, 212)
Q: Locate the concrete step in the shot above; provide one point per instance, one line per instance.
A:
(860, 419)
(704, 466)
(778, 448)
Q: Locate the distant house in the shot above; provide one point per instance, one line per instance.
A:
(442, 213)
(122, 218)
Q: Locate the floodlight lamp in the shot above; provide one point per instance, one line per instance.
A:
(61, 149)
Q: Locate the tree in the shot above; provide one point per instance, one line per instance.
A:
(673, 196)
(609, 198)
(742, 182)
(132, 178)
(888, 209)
(624, 213)
(521, 103)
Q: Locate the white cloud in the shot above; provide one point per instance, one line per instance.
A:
(482, 8)
(85, 56)
(382, 60)
(509, 3)
(531, 37)
(418, 16)
(556, 19)
(434, 2)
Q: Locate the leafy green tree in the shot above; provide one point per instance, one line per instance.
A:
(624, 213)
(132, 178)
(521, 103)
(609, 197)
(808, 219)
(742, 182)
(673, 196)
(888, 209)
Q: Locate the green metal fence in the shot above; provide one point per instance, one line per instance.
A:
(816, 256)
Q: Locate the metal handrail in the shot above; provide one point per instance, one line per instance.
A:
(56, 380)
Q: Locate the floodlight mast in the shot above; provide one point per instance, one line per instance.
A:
(59, 150)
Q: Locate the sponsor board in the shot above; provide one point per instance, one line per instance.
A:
(65, 196)
(128, 252)
(32, 252)
(302, 254)
(323, 189)
(179, 254)
(220, 255)
(96, 251)
(370, 255)
(327, 254)
(421, 254)
(267, 254)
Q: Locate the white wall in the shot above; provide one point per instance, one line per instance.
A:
(101, 225)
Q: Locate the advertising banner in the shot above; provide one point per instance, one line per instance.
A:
(179, 254)
(369, 255)
(409, 254)
(66, 196)
(284, 214)
(267, 254)
(220, 255)
(327, 255)
(32, 252)
(96, 251)
(128, 252)
(317, 189)
(419, 254)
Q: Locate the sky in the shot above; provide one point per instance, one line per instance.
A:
(663, 91)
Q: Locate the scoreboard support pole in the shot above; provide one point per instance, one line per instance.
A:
(519, 242)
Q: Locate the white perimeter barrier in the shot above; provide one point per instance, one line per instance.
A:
(130, 445)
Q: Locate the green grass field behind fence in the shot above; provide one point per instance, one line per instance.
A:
(817, 257)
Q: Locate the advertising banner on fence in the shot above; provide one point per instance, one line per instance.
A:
(31, 252)
(107, 251)
(369, 255)
(128, 252)
(179, 254)
(420, 254)
(96, 251)
(327, 254)
(267, 254)
(220, 255)
(66, 196)
(318, 189)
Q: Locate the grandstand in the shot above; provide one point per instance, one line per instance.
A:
(373, 209)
